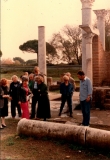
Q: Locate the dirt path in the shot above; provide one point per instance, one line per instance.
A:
(14, 147)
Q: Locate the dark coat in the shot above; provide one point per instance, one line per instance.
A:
(4, 110)
(43, 110)
(14, 90)
(23, 94)
(66, 90)
(1, 97)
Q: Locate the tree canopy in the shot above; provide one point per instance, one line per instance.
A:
(68, 42)
(31, 46)
(19, 59)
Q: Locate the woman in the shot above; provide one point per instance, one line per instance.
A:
(24, 92)
(43, 110)
(1, 103)
(4, 110)
(14, 86)
(66, 90)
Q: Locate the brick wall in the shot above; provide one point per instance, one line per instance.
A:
(101, 64)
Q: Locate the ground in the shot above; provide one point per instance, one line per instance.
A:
(14, 147)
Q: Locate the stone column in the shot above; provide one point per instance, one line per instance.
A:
(86, 20)
(88, 38)
(42, 51)
(101, 24)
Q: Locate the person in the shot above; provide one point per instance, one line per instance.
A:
(24, 92)
(36, 71)
(26, 74)
(31, 81)
(14, 96)
(43, 110)
(85, 97)
(34, 98)
(66, 90)
(61, 77)
(4, 109)
(72, 81)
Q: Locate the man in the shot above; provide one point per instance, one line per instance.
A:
(85, 97)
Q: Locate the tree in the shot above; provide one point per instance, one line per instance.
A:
(19, 59)
(31, 46)
(107, 31)
(68, 42)
(7, 61)
(31, 62)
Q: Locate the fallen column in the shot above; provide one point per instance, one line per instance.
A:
(97, 138)
(90, 137)
(53, 130)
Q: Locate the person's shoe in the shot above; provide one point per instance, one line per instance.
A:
(59, 114)
(3, 125)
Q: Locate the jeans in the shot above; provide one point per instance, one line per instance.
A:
(85, 106)
(65, 98)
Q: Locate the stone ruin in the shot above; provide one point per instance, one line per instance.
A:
(95, 60)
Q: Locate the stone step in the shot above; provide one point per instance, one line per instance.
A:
(107, 106)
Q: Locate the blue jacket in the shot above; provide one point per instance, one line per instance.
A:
(66, 90)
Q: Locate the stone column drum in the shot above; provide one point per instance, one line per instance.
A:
(42, 51)
(101, 24)
(97, 138)
(72, 133)
(86, 20)
(88, 37)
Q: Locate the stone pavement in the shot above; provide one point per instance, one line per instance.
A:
(98, 117)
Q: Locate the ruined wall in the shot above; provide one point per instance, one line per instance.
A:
(100, 66)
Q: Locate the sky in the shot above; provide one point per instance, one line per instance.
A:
(20, 20)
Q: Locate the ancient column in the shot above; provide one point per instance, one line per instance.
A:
(42, 51)
(88, 38)
(101, 24)
(86, 20)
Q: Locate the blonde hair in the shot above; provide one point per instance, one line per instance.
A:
(65, 77)
(14, 76)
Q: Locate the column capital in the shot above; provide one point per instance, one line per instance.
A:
(100, 13)
(88, 37)
(87, 3)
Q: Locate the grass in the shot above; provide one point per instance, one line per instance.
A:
(54, 72)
